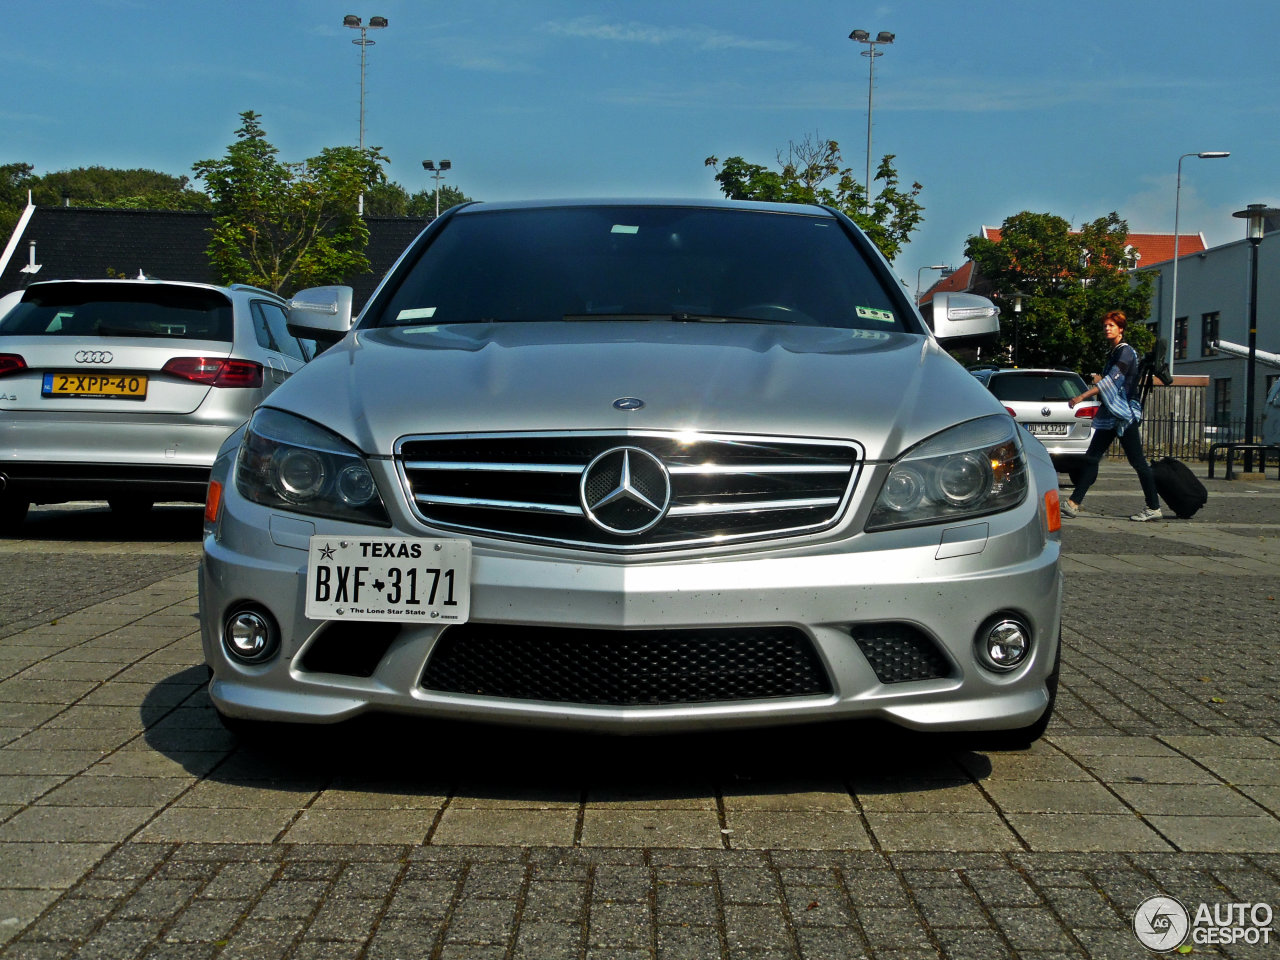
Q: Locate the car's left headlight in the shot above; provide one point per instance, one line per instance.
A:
(969, 470)
(293, 464)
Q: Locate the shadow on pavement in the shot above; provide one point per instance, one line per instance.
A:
(402, 754)
(95, 523)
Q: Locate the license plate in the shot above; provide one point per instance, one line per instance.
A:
(389, 578)
(1048, 429)
(130, 386)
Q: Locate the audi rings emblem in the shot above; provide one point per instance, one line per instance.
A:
(625, 491)
(94, 356)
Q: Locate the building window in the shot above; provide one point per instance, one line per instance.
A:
(1208, 333)
(1222, 401)
(1180, 339)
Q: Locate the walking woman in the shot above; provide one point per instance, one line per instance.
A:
(1118, 416)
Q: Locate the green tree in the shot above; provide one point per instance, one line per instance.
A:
(805, 175)
(1067, 281)
(392, 200)
(15, 180)
(108, 187)
(284, 226)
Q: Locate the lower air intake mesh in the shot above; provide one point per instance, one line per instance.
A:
(899, 652)
(615, 667)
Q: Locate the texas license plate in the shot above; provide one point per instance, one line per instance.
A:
(389, 578)
(130, 386)
(1048, 429)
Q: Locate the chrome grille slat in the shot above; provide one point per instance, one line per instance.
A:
(724, 487)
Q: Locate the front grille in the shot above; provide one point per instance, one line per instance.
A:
(625, 668)
(899, 652)
(722, 487)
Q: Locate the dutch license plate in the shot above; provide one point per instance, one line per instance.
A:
(1048, 429)
(389, 578)
(130, 386)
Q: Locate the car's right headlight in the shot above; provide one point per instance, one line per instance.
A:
(293, 464)
(969, 470)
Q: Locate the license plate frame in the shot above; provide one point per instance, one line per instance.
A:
(1048, 429)
(95, 386)
(397, 579)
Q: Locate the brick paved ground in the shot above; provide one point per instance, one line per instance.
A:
(131, 825)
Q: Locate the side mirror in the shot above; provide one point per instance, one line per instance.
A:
(964, 318)
(321, 313)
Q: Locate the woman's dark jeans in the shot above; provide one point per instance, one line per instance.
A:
(1131, 442)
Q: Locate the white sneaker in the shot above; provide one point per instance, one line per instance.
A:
(1148, 513)
(1068, 509)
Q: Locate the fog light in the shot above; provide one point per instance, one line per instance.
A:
(1005, 643)
(250, 636)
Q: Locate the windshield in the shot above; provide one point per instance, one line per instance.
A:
(645, 263)
(120, 310)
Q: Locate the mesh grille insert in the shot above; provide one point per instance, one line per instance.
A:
(614, 667)
(350, 648)
(899, 652)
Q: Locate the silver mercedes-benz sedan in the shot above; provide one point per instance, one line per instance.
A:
(123, 390)
(635, 466)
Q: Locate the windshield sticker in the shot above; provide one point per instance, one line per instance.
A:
(417, 313)
(871, 313)
(624, 228)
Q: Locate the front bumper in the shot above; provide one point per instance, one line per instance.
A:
(944, 582)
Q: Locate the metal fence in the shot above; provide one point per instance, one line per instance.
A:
(1174, 424)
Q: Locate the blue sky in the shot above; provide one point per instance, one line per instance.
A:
(1075, 109)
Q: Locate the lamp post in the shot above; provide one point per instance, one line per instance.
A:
(1255, 216)
(946, 272)
(1177, 201)
(355, 23)
(437, 174)
(883, 37)
(1017, 314)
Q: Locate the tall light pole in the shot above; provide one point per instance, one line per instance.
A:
(1255, 215)
(437, 174)
(883, 37)
(946, 272)
(1177, 201)
(355, 23)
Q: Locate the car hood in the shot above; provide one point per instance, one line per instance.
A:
(886, 391)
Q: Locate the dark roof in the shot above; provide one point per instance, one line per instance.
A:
(85, 243)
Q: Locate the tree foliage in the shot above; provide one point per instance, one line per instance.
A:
(1068, 280)
(135, 189)
(392, 200)
(810, 172)
(284, 226)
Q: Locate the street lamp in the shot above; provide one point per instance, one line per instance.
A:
(355, 23)
(1177, 201)
(946, 272)
(1255, 216)
(883, 37)
(437, 174)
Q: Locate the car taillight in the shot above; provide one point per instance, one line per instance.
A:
(1086, 411)
(1011, 413)
(215, 371)
(11, 363)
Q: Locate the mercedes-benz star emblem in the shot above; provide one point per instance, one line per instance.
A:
(628, 403)
(625, 491)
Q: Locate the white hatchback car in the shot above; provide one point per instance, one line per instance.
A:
(123, 390)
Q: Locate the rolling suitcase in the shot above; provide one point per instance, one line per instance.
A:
(1178, 486)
